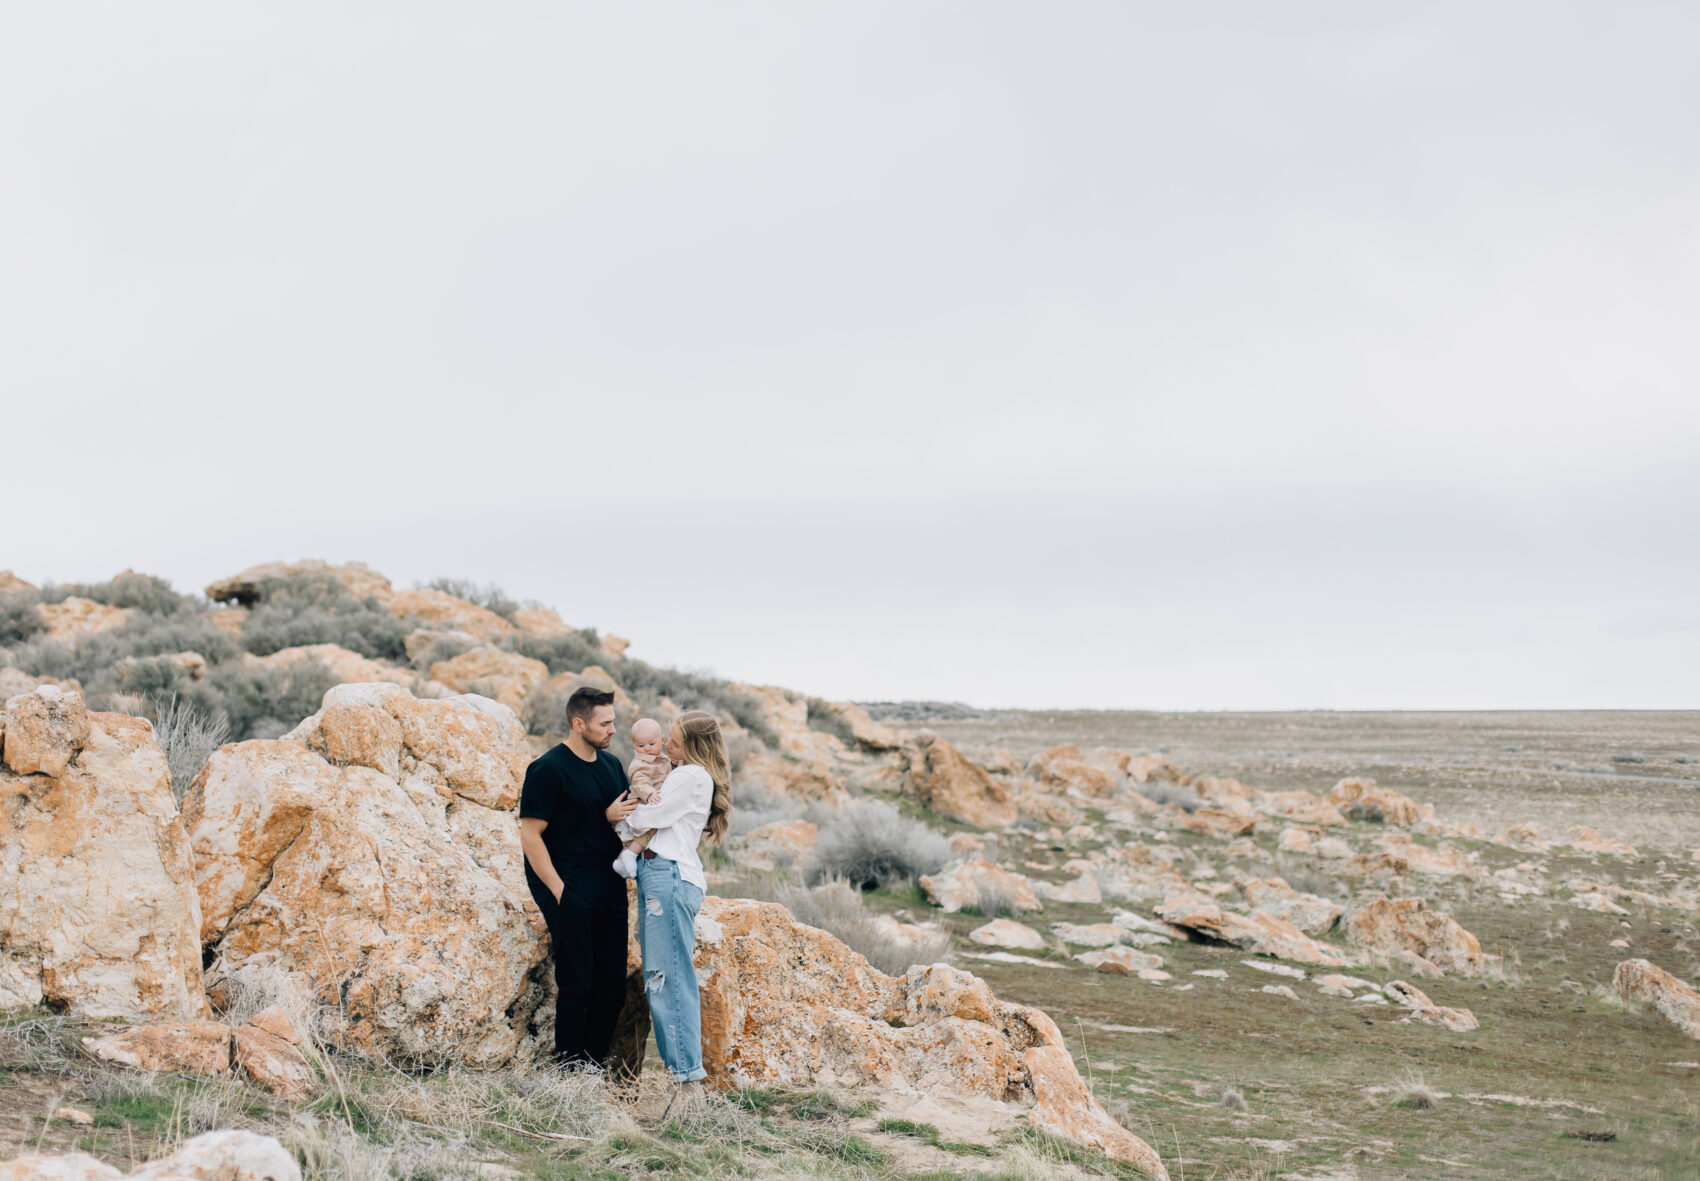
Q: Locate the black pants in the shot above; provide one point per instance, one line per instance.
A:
(590, 975)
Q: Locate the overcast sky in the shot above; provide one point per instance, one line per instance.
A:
(1126, 355)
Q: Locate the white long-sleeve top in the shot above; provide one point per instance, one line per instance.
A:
(678, 820)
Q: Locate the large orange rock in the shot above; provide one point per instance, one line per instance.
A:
(98, 910)
(1215, 822)
(1642, 980)
(1408, 925)
(951, 786)
(248, 587)
(441, 611)
(1361, 798)
(373, 855)
(346, 666)
(493, 672)
(801, 779)
(1444, 861)
(1065, 769)
(786, 713)
(541, 621)
(1586, 840)
(787, 1004)
(1304, 807)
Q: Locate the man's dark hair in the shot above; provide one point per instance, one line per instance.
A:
(584, 701)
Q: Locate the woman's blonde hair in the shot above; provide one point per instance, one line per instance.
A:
(705, 747)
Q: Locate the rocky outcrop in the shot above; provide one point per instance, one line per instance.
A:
(440, 611)
(1678, 1002)
(1065, 769)
(1443, 861)
(951, 786)
(1361, 799)
(346, 666)
(492, 672)
(1263, 934)
(786, 1004)
(1389, 926)
(1303, 807)
(1214, 822)
(98, 911)
(547, 623)
(373, 855)
(1120, 960)
(1309, 913)
(75, 616)
(980, 885)
(249, 587)
(1586, 840)
(799, 779)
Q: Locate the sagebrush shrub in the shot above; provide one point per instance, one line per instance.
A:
(1161, 791)
(871, 844)
(19, 619)
(188, 737)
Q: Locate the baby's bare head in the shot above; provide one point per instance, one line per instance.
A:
(648, 738)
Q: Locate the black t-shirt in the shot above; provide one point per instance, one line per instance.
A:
(573, 796)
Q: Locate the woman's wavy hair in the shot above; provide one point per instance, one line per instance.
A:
(705, 747)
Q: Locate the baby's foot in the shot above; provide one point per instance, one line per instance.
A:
(626, 864)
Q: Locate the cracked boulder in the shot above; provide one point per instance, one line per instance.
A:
(98, 911)
(373, 855)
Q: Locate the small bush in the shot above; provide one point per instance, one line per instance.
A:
(136, 592)
(19, 619)
(869, 843)
(1232, 1099)
(1414, 1094)
(266, 702)
(188, 737)
(991, 901)
(1366, 810)
(318, 609)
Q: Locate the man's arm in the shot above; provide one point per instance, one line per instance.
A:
(537, 854)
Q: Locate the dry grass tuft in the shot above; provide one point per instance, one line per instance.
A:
(1414, 1094)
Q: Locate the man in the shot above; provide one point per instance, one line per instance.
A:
(573, 797)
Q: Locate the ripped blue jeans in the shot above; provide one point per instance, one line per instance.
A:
(667, 914)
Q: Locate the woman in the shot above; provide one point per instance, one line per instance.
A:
(696, 800)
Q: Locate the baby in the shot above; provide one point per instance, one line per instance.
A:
(650, 766)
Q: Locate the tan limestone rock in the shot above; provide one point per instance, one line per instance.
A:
(346, 666)
(774, 846)
(786, 1004)
(950, 785)
(1084, 888)
(1677, 1001)
(1302, 806)
(1120, 960)
(786, 713)
(44, 730)
(201, 1047)
(1296, 840)
(71, 1166)
(229, 620)
(1309, 913)
(224, 1156)
(1424, 1010)
(562, 686)
(1009, 934)
(1586, 840)
(1407, 924)
(979, 884)
(15, 682)
(397, 897)
(1444, 861)
(1092, 934)
(248, 587)
(1361, 798)
(1064, 769)
(1047, 809)
(98, 911)
(1215, 822)
(800, 779)
(274, 1062)
(77, 616)
(1260, 933)
(547, 623)
(441, 611)
(492, 672)
(10, 582)
(614, 647)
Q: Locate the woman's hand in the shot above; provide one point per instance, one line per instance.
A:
(621, 808)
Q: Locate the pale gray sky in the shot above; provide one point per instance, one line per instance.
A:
(1191, 356)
